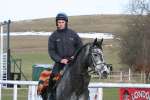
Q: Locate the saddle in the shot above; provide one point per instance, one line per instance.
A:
(44, 80)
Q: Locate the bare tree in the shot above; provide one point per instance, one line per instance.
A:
(135, 43)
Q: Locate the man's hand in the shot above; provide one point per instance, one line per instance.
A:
(64, 61)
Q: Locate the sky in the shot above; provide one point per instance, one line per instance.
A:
(16, 10)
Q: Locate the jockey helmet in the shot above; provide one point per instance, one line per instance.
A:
(62, 16)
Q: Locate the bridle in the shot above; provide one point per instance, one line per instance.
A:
(93, 53)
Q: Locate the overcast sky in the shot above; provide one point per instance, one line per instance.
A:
(32, 9)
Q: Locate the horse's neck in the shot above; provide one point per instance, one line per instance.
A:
(80, 66)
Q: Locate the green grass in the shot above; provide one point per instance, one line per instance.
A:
(7, 94)
(108, 94)
(31, 58)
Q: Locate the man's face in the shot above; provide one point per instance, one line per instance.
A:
(61, 24)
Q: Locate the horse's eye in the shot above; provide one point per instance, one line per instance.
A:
(95, 55)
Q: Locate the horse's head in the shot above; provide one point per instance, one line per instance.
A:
(96, 59)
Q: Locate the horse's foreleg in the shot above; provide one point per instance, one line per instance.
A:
(51, 95)
(73, 96)
(84, 95)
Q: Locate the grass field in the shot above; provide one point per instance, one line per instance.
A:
(108, 94)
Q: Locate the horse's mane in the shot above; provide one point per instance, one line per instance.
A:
(78, 52)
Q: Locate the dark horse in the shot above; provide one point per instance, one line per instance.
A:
(75, 80)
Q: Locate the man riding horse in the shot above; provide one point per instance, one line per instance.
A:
(62, 45)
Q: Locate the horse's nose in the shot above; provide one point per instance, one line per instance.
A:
(105, 72)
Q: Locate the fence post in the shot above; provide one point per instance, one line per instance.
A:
(141, 76)
(129, 74)
(144, 78)
(100, 93)
(0, 91)
(30, 93)
(121, 76)
(15, 92)
(34, 92)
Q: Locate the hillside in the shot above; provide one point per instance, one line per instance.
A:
(86, 23)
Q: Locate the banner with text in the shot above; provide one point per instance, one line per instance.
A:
(134, 94)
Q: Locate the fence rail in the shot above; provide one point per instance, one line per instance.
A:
(118, 85)
(123, 76)
(32, 85)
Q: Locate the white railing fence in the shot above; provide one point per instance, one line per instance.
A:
(32, 87)
(123, 76)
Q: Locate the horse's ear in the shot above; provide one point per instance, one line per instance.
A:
(95, 41)
(100, 43)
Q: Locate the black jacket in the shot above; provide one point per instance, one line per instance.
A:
(63, 44)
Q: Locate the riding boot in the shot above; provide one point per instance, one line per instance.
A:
(52, 96)
(51, 82)
(51, 89)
